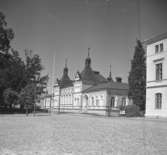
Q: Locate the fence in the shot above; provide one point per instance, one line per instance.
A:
(100, 110)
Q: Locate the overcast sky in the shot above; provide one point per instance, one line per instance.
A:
(66, 28)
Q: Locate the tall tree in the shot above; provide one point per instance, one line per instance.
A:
(6, 34)
(11, 73)
(137, 77)
(10, 98)
(17, 74)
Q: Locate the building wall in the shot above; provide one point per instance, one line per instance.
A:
(56, 97)
(66, 98)
(154, 86)
(150, 104)
(72, 99)
(118, 100)
(154, 58)
(77, 95)
(95, 102)
(96, 99)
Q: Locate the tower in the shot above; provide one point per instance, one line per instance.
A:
(65, 80)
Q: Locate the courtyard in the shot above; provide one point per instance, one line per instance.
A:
(76, 134)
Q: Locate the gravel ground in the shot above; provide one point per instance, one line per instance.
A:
(74, 134)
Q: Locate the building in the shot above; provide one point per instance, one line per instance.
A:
(89, 92)
(156, 81)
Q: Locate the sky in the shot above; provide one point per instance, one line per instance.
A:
(65, 29)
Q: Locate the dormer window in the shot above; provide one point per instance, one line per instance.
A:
(159, 48)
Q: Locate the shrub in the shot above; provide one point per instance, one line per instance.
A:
(132, 111)
(121, 107)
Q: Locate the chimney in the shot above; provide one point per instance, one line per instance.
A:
(118, 79)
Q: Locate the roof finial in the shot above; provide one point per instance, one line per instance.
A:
(66, 63)
(88, 52)
(110, 68)
(110, 75)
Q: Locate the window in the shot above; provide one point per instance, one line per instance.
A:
(158, 101)
(92, 101)
(77, 100)
(123, 101)
(159, 71)
(156, 48)
(97, 101)
(161, 47)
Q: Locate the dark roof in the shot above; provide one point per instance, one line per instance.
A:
(65, 81)
(155, 39)
(88, 76)
(99, 77)
(116, 88)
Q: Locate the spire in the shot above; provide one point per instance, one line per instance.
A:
(88, 59)
(88, 52)
(110, 75)
(66, 63)
(65, 80)
(65, 68)
(110, 69)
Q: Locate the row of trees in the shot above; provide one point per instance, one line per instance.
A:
(21, 82)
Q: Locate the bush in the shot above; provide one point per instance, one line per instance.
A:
(121, 108)
(132, 111)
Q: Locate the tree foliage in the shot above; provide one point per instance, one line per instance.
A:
(18, 74)
(137, 77)
(10, 97)
(27, 95)
(6, 34)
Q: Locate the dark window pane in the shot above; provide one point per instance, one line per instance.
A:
(159, 71)
(156, 49)
(158, 101)
(161, 47)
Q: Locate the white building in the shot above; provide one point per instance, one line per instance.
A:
(156, 82)
(89, 92)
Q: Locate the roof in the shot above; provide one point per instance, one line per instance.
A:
(88, 76)
(156, 38)
(116, 88)
(65, 81)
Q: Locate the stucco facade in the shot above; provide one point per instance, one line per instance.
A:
(156, 82)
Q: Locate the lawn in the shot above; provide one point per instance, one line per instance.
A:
(76, 134)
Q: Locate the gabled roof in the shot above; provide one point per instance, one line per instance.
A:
(155, 39)
(115, 88)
